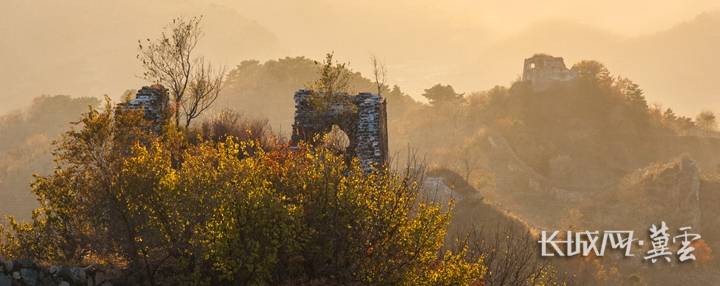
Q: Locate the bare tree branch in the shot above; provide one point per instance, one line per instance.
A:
(203, 91)
(169, 60)
(379, 73)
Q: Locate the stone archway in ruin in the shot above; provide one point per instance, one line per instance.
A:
(362, 117)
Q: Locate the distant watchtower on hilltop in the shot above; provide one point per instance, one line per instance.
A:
(541, 70)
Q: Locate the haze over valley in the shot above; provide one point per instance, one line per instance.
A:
(88, 48)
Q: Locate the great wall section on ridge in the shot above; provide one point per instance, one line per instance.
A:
(363, 117)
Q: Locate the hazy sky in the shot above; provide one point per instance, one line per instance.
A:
(497, 17)
(88, 47)
(619, 16)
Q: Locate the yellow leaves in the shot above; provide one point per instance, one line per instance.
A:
(454, 269)
(253, 217)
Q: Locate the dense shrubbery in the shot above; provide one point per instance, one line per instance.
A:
(169, 211)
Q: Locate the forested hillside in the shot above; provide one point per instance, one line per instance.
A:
(26, 146)
(192, 180)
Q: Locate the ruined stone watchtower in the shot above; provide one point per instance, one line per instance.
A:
(362, 117)
(152, 101)
(542, 70)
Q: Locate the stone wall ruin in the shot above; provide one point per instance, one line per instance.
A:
(542, 70)
(153, 101)
(363, 117)
(28, 273)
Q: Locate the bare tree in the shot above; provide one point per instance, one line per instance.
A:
(471, 156)
(205, 88)
(379, 72)
(706, 121)
(509, 251)
(169, 60)
(413, 167)
(468, 163)
(228, 122)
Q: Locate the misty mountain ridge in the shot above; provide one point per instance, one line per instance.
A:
(579, 149)
(89, 50)
(85, 49)
(672, 66)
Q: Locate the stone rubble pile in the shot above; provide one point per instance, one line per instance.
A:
(25, 272)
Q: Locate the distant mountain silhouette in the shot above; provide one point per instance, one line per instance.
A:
(88, 48)
(675, 67)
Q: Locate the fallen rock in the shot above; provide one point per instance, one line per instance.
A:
(8, 265)
(29, 276)
(5, 280)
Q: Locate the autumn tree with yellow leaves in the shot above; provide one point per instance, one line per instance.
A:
(166, 210)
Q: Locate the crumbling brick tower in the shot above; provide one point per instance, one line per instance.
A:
(543, 70)
(362, 117)
(153, 101)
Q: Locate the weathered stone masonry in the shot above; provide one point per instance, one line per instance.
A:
(25, 272)
(362, 117)
(153, 101)
(543, 70)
